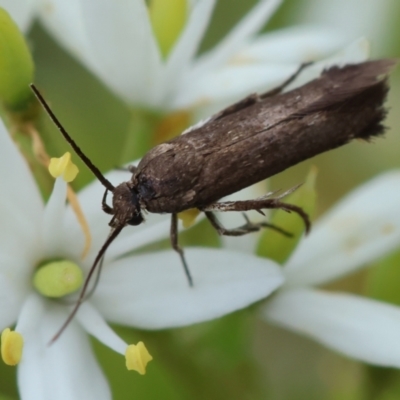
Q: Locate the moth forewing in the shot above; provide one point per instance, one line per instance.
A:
(263, 137)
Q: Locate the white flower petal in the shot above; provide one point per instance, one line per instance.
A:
(360, 328)
(358, 51)
(14, 284)
(21, 11)
(237, 38)
(63, 370)
(222, 86)
(31, 312)
(353, 18)
(52, 234)
(362, 227)
(138, 236)
(151, 291)
(233, 82)
(292, 45)
(185, 48)
(93, 323)
(124, 46)
(156, 227)
(21, 206)
(64, 20)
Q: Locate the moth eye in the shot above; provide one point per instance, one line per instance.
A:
(137, 219)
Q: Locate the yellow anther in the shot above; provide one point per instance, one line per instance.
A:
(58, 278)
(11, 346)
(188, 217)
(168, 17)
(41, 155)
(137, 357)
(64, 167)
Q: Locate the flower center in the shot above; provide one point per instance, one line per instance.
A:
(57, 278)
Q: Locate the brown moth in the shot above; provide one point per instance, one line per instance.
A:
(241, 145)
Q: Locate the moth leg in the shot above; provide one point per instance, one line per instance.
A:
(248, 227)
(130, 168)
(287, 82)
(106, 208)
(259, 204)
(177, 248)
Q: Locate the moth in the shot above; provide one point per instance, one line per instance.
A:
(253, 139)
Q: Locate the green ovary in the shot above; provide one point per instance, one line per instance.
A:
(58, 278)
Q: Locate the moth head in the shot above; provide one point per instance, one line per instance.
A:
(126, 206)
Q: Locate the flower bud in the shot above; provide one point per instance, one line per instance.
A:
(16, 67)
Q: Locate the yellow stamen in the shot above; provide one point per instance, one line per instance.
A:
(188, 217)
(12, 344)
(58, 278)
(63, 166)
(137, 357)
(42, 156)
(37, 145)
(73, 201)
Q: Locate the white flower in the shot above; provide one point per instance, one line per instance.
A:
(115, 40)
(363, 227)
(374, 19)
(148, 290)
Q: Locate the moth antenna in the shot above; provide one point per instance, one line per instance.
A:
(96, 280)
(113, 234)
(105, 182)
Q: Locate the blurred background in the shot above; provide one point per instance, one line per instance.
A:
(239, 356)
